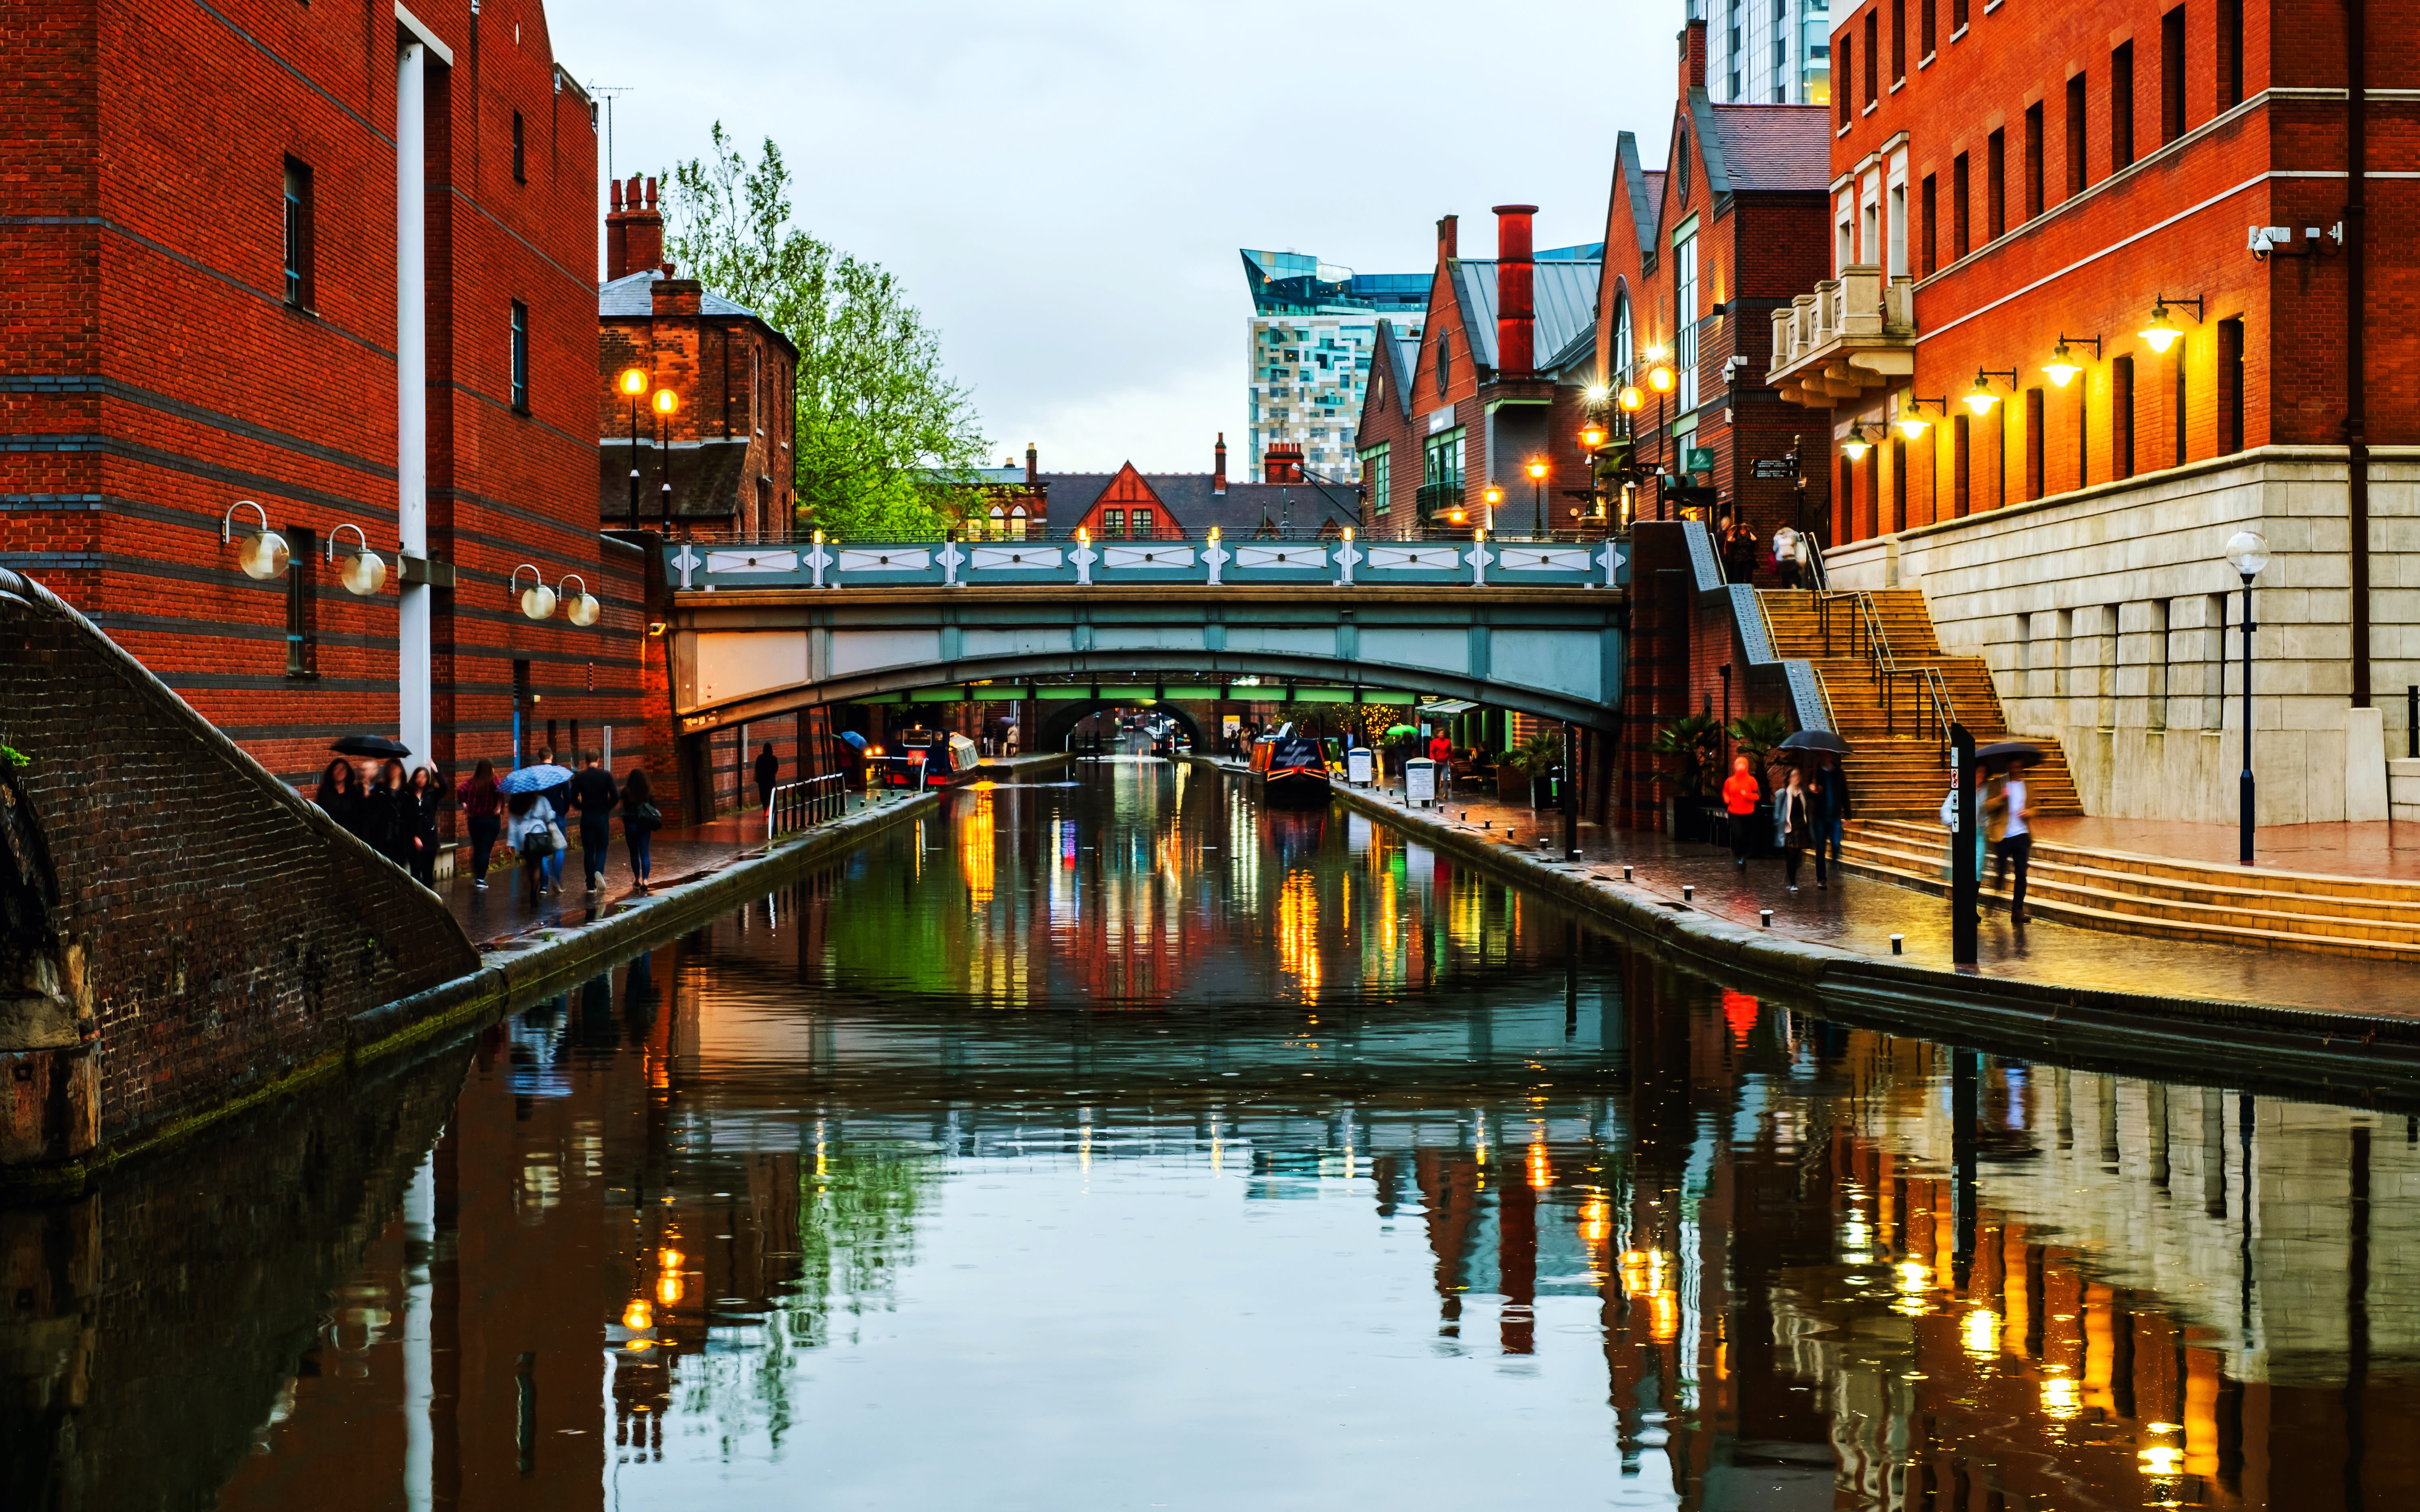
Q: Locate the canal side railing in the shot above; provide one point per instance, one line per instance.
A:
(801, 805)
(1480, 561)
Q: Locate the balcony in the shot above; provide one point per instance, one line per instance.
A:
(1855, 334)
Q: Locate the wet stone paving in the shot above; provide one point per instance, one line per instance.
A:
(1116, 1142)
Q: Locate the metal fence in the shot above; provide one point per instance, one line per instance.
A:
(798, 806)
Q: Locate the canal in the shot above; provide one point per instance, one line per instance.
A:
(1117, 1143)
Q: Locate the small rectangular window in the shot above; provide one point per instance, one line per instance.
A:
(1961, 460)
(2033, 160)
(1844, 94)
(2185, 450)
(1932, 209)
(1899, 483)
(1961, 230)
(2084, 432)
(1924, 46)
(1114, 522)
(1899, 41)
(299, 291)
(2121, 417)
(520, 357)
(2033, 443)
(1845, 508)
(1996, 187)
(2075, 159)
(301, 620)
(1873, 55)
(1143, 523)
(1956, 17)
(2230, 386)
(2230, 54)
(2172, 75)
(2121, 107)
(521, 171)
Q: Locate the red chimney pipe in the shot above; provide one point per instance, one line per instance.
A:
(1516, 310)
(634, 230)
(1218, 477)
(1032, 466)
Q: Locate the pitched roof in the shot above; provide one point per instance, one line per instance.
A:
(1774, 148)
(1563, 295)
(1402, 355)
(1186, 496)
(632, 294)
(708, 478)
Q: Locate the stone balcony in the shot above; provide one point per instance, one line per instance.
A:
(1853, 334)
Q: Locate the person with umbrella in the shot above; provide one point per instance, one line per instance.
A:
(1827, 751)
(541, 782)
(2007, 811)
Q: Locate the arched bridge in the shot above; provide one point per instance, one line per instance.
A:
(760, 630)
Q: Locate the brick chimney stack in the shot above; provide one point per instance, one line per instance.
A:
(1516, 310)
(1448, 249)
(634, 229)
(1032, 467)
(1219, 473)
(1282, 462)
(1693, 57)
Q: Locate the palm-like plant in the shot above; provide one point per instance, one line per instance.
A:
(1758, 736)
(1693, 741)
(1533, 756)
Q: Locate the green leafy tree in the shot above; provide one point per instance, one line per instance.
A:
(886, 442)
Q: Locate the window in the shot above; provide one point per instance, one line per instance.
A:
(1932, 209)
(2083, 429)
(1847, 500)
(2121, 107)
(2182, 451)
(520, 173)
(2213, 702)
(2033, 160)
(301, 622)
(1444, 362)
(1114, 522)
(1899, 41)
(2106, 712)
(2075, 169)
(1685, 307)
(1961, 234)
(2230, 385)
(1924, 28)
(299, 291)
(1143, 523)
(1441, 478)
(1374, 466)
(2033, 443)
(2155, 667)
(1956, 17)
(1680, 161)
(2172, 75)
(1899, 483)
(1898, 230)
(2230, 54)
(2121, 417)
(520, 357)
(1622, 360)
(1996, 189)
(1873, 54)
(1960, 485)
(1847, 77)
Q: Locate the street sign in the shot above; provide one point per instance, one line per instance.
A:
(1700, 459)
(1774, 469)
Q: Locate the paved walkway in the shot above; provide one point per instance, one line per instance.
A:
(1857, 915)
(2373, 850)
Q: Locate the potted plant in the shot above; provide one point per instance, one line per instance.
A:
(1536, 758)
(1693, 742)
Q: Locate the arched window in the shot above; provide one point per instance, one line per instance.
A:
(1444, 362)
(998, 522)
(1680, 161)
(1016, 523)
(1621, 355)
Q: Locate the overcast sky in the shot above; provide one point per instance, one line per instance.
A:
(1064, 184)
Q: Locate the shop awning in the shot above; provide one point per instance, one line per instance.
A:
(1446, 708)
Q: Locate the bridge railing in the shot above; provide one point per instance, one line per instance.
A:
(1484, 561)
(803, 805)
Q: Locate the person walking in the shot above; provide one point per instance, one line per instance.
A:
(530, 830)
(640, 821)
(769, 771)
(1832, 816)
(483, 804)
(1784, 556)
(425, 797)
(594, 796)
(2006, 814)
(558, 801)
(1742, 793)
(1739, 551)
(1793, 827)
(387, 815)
(340, 796)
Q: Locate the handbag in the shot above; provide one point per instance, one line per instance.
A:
(650, 817)
(542, 840)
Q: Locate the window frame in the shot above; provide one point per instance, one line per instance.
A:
(519, 365)
(297, 213)
(520, 169)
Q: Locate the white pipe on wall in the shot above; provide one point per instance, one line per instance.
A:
(413, 628)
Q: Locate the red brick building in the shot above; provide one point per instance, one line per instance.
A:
(1496, 380)
(1131, 504)
(216, 300)
(720, 461)
(1696, 257)
(2104, 290)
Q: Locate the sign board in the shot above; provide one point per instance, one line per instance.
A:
(1700, 459)
(1776, 470)
(1441, 420)
(1420, 781)
(1356, 766)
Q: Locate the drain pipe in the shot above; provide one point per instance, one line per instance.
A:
(2356, 403)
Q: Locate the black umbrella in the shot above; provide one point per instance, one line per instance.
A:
(1822, 740)
(369, 746)
(2015, 752)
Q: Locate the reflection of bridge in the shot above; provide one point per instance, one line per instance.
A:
(761, 630)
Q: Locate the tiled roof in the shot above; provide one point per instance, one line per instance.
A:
(1564, 295)
(708, 479)
(632, 295)
(1186, 496)
(1775, 148)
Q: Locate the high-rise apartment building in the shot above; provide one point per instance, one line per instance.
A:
(1768, 52)
(1314, 325)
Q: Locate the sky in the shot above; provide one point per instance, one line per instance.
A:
(1064, 185)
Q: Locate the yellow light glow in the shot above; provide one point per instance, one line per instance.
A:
(1492, 495)
(668, 1289)
(1542, 1168)
(1980, 1334)
(2060, 1398)
(671, 1259)
(1631, 397)
(1083, 535)
(2162, 333)
(1855, 448)
(641, 1314)
(1660, 379)
(1593, 393)
(1593, 437)
(633, 381)
(2162, 1460)
(2062, 367)
(1981, 398)
(1911, 425)
(1538, 471)
(638, 1346)
(666, 401)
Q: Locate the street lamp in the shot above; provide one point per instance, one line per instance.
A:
(1659, 377)
(2062, 367)
(1912, 424)
(1538, 490)
(538, 599)
(632, 383)
(2247, 552)
(364, 573)
(1492, 496)
(263, 555)
(666, 402)
(2162, 332)
(1981, 398)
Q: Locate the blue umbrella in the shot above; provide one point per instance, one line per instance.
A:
(536, 778)
(853, 738)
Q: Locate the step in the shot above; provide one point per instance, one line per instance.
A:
(2208, 875)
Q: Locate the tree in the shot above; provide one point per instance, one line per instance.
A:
(885, 442)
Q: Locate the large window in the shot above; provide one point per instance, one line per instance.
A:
(1114, 522)
(298, 290)
(1684, 315)
(520, 357)
(1441, 476)
(520, 161)
(1621, 358)
(1374, 474)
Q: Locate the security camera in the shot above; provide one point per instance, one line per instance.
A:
(2258, 243)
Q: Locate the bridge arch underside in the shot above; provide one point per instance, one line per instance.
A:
(1059, 719)
(1581, 685)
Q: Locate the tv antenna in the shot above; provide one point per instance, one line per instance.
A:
(609, 91)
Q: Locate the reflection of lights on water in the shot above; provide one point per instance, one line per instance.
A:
(1856, 1239)
(1915, 1286)
(1542, 1171)
(2162, 1460)
(1980, 1332)
(640, 1315)
(1596, 1224)
(1298, 931)
(977, 836)
(2060, 1398)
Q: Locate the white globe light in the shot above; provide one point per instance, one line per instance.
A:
(584, 610)
(2247, 551)
(537, 602)
(365, 574)
(264, 556)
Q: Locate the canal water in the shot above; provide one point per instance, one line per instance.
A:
(1120, 1143)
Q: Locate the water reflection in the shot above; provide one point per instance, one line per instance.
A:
(1123, 1145)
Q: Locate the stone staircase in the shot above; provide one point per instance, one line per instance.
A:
(2207, 902)
(1896, 771)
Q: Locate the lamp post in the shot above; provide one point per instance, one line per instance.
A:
(1491, 496)
(1538, 497)
(666, 402)
(2247, 552)
(632, 383)
(1659, 377)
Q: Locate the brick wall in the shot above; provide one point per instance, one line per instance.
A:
(204, 929)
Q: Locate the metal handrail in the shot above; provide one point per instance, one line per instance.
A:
(1818, 577)
(801, 805)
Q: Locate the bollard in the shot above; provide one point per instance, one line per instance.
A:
(1896, 941)
(1688, 892)
(1625, 873)
(1767, 916)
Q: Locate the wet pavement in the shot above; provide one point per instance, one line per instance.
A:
(1860, 915)
(2371, 850)
(1120, 1143)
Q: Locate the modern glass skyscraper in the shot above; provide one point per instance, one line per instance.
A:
(1314, 326)
(1768, 52)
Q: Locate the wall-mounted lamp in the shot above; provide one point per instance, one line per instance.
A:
(583, 609)
(1981, 398)
(1857, 444)
(2162, 332)
(2062, 367)
(538, 599)
(1911, 425)
(365, 571)
(264, 555)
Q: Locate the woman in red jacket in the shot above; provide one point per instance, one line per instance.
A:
(1741, 794)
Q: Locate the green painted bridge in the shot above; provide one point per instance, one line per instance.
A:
(756, 631)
